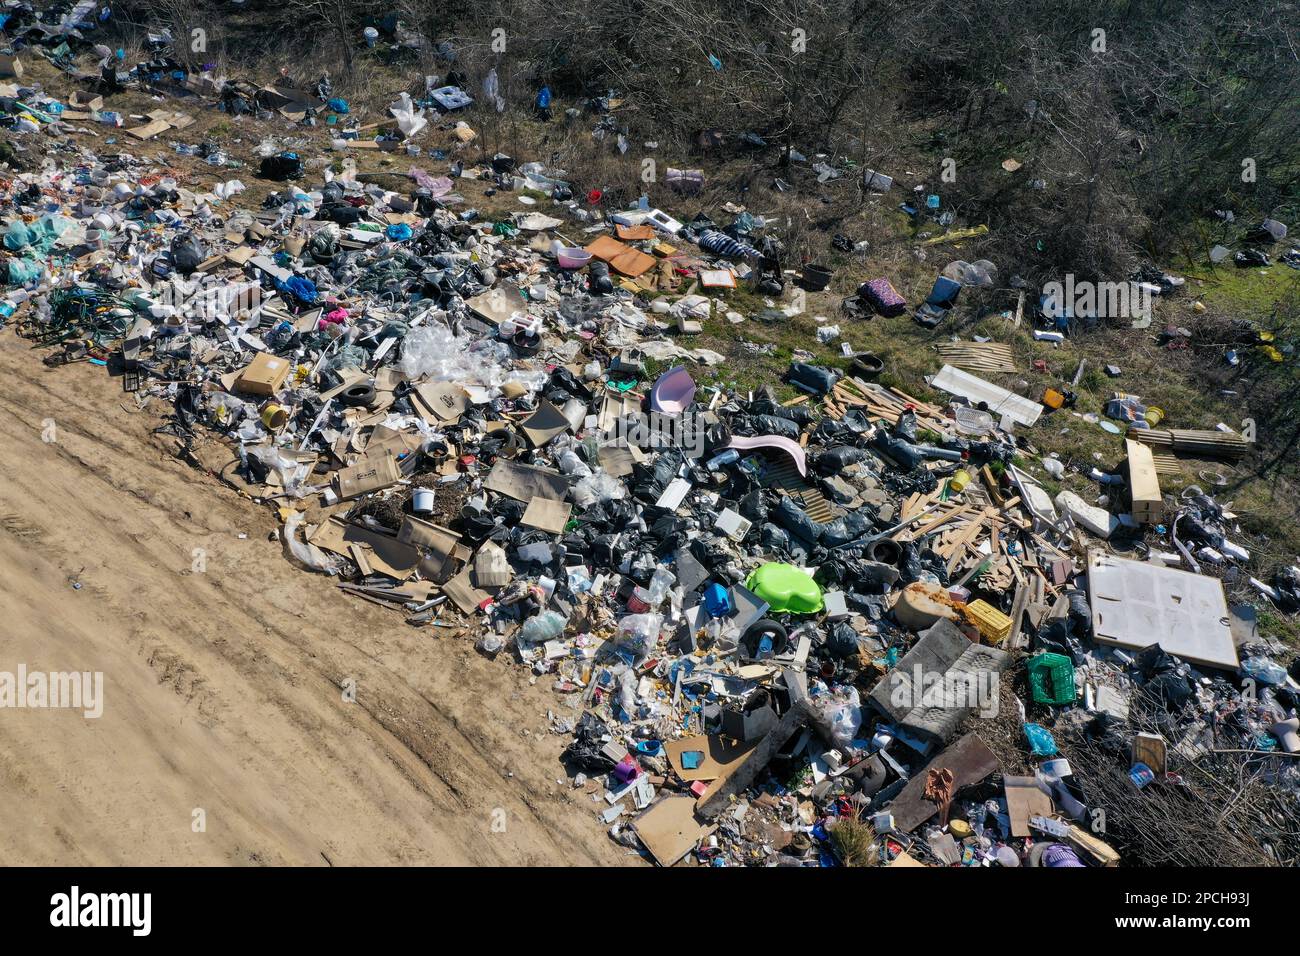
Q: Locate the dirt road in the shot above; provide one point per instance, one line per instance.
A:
(225, 736)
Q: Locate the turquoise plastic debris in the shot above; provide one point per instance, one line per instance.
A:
(38, 237)
(1041, 742)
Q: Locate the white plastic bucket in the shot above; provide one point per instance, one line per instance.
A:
(422, 501)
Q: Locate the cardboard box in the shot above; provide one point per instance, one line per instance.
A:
(1144, 483)
(265, 375)
(82, 100)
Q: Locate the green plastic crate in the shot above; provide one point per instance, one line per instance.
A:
(1051, 679)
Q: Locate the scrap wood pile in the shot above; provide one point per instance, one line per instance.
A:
(978, 356)
(770, 624)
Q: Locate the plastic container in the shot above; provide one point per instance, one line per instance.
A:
(1051, 679)
(573, 257)
(993, 625)
(973, 421)
(1052, 398)
(816, 278)
(422, 501)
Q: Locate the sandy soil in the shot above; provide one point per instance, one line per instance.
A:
(223, 688)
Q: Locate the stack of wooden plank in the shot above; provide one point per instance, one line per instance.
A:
(877, 401)
(978, 356)
(1178, 443)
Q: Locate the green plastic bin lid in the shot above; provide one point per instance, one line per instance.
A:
(785, 588)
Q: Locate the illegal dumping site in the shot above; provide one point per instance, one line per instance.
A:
(844, 626)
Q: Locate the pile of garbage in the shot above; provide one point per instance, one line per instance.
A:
(777, 630)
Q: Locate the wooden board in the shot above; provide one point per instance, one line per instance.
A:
(970, 761)
(669, 830)
(721, 756)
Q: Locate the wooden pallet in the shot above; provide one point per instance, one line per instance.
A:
(978, 356)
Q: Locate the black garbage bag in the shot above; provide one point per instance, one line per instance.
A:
(1080, 611)
(847, 528)
(767, 406)
(774, 539)
(281, 166)
(906, 426)
(1287, 583)
(899, 450)
(585, 750)
(767, 425)
(838, 457)
(812, 378)
(914, 562)
(842, 641)
(649, 481)
(753, 506)
(1165, 677)
(187, 252)
(795, 520)
(343, 213)
(1057, 637)
(477, 523)
(598, 277)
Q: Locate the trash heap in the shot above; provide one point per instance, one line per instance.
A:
(842, 628)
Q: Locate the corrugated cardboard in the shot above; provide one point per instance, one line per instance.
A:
(264, 375)
(371, 473)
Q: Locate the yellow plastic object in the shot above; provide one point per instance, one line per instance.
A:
(1052, 398)
(959, 480)
(992, 624)
(1154, 416)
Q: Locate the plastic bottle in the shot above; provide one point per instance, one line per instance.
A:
(722, 458)
(12, 303)
(660, 582)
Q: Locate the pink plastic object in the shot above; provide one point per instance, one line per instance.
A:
(791, 448)
(573, 257)
(673, 392)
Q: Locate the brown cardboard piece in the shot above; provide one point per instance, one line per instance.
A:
(622, 259)
(721, 756)
(1151, 750)
(544, 424)
(492, 567)
(462, 592)
(370, 473)
(446, 401)
(525, 482)
(384, 554)
(1025, 798)
(440, 541)
(616, 460)
(497, 305)
(669, 829)
(547, 514)
(970, 761)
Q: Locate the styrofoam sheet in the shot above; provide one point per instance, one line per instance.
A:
(1021, 410)
(1136, 604)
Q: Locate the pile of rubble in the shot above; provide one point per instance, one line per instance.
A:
(775, 628)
